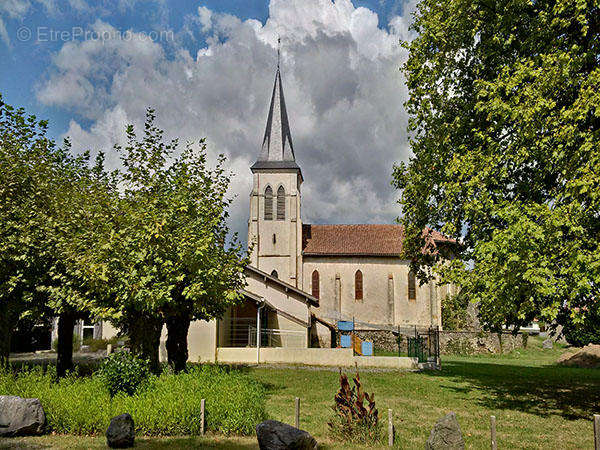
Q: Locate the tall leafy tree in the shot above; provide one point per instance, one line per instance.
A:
(26, 175)
(169, 257)
(504, 123)
(47, 205)
(82, 205)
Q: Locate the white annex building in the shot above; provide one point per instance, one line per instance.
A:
(303, 278)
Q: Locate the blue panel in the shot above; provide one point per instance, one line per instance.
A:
(345, 341)
(344, 325)
(367, 348)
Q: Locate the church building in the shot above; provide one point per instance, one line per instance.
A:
(355, 271)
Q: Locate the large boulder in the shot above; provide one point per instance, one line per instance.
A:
(274, 435)
(548, 344)
(446, 435)
(121, 432)
(21, 416)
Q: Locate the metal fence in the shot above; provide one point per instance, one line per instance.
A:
(235, 332)
(425, 345)
(273, 337)
(241, 332)
(408, 340)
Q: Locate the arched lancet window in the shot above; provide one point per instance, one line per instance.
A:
(268, 203)
(358, 285)
(274, 274)
(281, 203)
(315, 284)
(412, 286)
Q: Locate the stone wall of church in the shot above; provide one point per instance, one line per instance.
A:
(385, 291)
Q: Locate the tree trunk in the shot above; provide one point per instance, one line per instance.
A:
(6, 328)
(64, 347)
(177, 344)
(144, 337)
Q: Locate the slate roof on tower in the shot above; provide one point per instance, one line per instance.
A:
(277, 151)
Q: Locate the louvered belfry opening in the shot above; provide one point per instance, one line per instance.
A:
(281, 203)
(358, 285)
(412, 286)
(268, 203)
(315, 284)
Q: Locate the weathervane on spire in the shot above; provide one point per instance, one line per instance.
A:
(278, 50)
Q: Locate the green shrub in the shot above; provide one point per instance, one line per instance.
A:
(124, 373)
(76, 343)
(455, 315)
(169, 405)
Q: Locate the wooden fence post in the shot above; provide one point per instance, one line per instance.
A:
(597, 431)
(202, 422)
(493, 432)
(297, 412)
(390, 428)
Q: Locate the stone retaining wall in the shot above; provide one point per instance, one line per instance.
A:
(382, 340)
(469, 342)
(451, 342)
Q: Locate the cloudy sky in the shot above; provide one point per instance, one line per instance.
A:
(208, 67)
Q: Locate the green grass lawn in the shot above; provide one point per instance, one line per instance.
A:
(537, 405)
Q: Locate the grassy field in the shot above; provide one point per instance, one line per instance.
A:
(537, 405)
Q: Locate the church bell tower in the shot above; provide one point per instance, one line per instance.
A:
(275, 226)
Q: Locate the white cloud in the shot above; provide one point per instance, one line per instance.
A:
(4, 33)
(343, 91)
(205, 16)
(86, 75)
(400, 24)
(11, 9)
(79, 5)
(14, 8)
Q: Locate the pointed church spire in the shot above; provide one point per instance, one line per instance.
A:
(277, 150)
(277, 143)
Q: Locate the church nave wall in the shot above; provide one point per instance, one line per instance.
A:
(385, 290)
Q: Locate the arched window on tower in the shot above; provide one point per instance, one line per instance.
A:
(274, 274)
(315, 284)
(412, 286)
(268, 203)
(358, 285)
(281, 203)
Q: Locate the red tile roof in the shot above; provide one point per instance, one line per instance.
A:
(356, 240)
